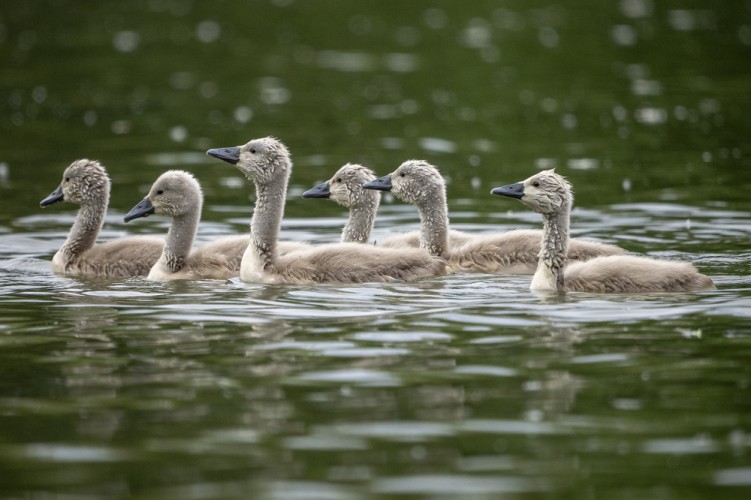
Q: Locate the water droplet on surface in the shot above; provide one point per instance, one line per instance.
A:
(583, 163)
(624, 35)
(548, 37)
(744, 34)
(569, 121)
(208, 31)
(39, 94)
(477, 34)
(636, 8)
(435, 18)
(437, 145)
(126, 41)
(182, 80)
(546, 163)
(651, 116)
(178, 133)
(646, 87)
(360, 25)
(243, 114)
(121, 127)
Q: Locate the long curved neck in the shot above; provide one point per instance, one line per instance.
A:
(180, 238)
(361, 220)
(434, 224)
(267, 221)
(86, 227)
(553, 251)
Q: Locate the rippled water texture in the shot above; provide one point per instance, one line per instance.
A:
(467, 386)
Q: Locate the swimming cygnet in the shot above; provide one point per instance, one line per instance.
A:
(178, 195)
(549, 194)
(86, 183)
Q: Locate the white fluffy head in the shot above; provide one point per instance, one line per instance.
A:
(417, 182)
(345, 187)
(175, 193)
(264, 159)
(547, 192)
(85, 181)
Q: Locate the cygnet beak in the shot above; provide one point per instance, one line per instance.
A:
(143, 209)
(510, 190)
(380, 184)
(320, 191)
(230, 155)
(54, 197)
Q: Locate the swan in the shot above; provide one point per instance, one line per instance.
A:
(178, 194)
(86, 183)
(513, 252)
(550, 194)
(345, 188)
(266, 162)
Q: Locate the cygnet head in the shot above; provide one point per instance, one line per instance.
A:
(545, 192)
(261, 160)
(174, 193)
(84, 181)
(415, 181)
(345, 187)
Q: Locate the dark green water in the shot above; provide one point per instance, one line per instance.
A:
(466, 386)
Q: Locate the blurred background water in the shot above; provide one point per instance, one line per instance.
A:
(464, 386)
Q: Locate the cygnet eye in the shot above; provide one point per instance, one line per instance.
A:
(253, 150)
(338, 179)
(402, 174)
(161, 191)
(67, 179)
(536, 184)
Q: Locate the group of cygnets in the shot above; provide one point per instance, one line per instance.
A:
(557, 262)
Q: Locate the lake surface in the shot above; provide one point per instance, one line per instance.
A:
(466, 386)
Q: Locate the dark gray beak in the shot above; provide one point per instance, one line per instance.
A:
(380, 184)
(230, 155)
(54, 197)
(320, 191)
(143, 209)
(510, 190)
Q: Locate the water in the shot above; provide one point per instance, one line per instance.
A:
(468, 386)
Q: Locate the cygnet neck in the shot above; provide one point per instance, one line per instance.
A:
(180, 238)
(87, 225)
(267, 219)
(553, 251)
(362, 213)
(434, 222)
